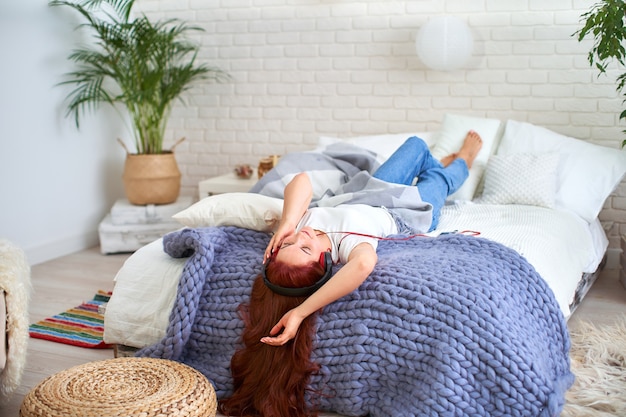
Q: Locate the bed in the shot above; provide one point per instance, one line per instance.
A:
(529, 208)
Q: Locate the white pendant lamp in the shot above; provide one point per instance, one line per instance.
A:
(444, 43)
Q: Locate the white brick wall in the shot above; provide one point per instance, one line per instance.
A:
(305, 68)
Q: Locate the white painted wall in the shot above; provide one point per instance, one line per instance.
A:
(56, 183)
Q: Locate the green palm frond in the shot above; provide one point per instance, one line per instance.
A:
(606, 23)
(138, 63)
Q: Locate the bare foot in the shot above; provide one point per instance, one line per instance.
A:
(471, 146)
(447, 160)
(468, 152)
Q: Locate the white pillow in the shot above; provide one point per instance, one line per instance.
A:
(451, 137)
(522, 178)
(248, 210)
(382, 145)
(586, 175)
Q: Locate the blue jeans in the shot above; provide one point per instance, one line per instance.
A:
(435, 183)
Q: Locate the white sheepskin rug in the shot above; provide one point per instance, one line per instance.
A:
(15, 281)
(598, 359)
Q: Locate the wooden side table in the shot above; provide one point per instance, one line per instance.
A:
(228, 183)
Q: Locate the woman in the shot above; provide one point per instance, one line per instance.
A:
(272, 371)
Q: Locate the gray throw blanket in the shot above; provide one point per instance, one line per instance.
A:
(447, 326)
(342, 174)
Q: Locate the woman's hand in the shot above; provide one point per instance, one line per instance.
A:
(289, 324)
(284, 230)
(360, 264)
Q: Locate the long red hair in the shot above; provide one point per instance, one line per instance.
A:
(272, 381)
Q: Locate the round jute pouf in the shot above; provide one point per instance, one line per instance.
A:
(143, 387)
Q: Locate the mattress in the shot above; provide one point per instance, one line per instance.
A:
(560, 245)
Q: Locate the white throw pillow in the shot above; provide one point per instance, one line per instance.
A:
(524, 178)
(586, 175)
(451, 137)
(248, 210)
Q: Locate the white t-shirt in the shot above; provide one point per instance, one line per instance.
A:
(355, 218)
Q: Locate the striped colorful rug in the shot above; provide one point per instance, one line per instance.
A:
(80, 326)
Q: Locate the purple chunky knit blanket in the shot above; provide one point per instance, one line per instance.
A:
(447, 326)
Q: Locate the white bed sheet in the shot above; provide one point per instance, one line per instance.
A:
(144, 294)
(560, 245)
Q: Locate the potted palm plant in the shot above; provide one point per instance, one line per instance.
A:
(142, 66)
(605, 21)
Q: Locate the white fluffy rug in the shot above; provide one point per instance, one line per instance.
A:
(15, 281)
(598, 359)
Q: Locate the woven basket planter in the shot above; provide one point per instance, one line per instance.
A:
(151, 178)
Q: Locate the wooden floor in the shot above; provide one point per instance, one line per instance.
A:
(66, 282)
